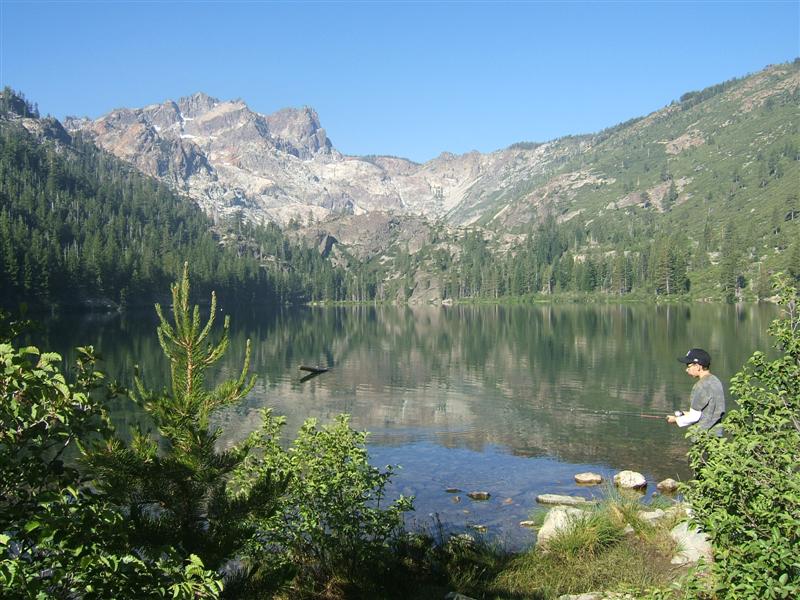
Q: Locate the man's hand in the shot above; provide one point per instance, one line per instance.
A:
(672, 419)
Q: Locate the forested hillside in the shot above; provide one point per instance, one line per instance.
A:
(701, 196)
(699, 200)
(80, 227)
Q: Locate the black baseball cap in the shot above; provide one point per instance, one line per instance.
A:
(696, 356)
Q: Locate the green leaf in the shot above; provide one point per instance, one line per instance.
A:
(31, 525)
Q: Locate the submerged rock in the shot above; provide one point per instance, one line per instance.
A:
(588, 478)
(561, 500)
(479, 495)
(630, 480)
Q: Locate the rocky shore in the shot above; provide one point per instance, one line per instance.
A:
(569, 512)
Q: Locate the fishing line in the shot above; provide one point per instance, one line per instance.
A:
(593, 411)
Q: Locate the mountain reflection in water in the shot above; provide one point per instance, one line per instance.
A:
(514, 400)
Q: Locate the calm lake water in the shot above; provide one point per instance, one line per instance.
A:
(509, 400)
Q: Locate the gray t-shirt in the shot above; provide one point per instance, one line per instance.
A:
(708, 397)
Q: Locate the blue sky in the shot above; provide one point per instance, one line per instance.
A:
(410, 79)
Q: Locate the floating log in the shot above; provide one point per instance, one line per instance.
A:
(316, 370)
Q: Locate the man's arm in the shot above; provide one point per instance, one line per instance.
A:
(686, 419)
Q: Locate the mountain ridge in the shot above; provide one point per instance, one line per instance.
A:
(700, 195)
(282, 166)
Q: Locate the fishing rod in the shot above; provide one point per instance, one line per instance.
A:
(593, 411)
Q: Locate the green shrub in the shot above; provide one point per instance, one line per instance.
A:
(334, 522)
(59, 538)
(747, 492)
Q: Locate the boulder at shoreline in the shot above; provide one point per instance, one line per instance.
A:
(668, 486)
(630, 480)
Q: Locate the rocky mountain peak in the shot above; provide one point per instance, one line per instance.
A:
(282, 166)
(300, 129)
(195, 105)
(15, 108)
(47, 128)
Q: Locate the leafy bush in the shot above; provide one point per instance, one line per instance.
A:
(332, 524)
(58, 537)
(747, 492)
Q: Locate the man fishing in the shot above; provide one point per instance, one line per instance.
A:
(707, 401)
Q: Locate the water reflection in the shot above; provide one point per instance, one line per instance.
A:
(534, 390)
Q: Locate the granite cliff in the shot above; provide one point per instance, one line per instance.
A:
(283, 166)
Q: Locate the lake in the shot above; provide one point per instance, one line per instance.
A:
(513, 400)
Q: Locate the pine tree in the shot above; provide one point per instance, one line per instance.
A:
(178, 489)
(793, 261)
(730, 262)
(620, 275)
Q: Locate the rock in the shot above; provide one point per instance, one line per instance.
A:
(628, 530)
(508, 501)
(457, 596)
(668, 486)
(681, 510)
(630, 480)
(479, 495)
(557, 519)
(652, 515)
(692, 545)
(452, 490)
(562, 500)
(480, 528)
(588, 478)
(528, 524)
(455, 499)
